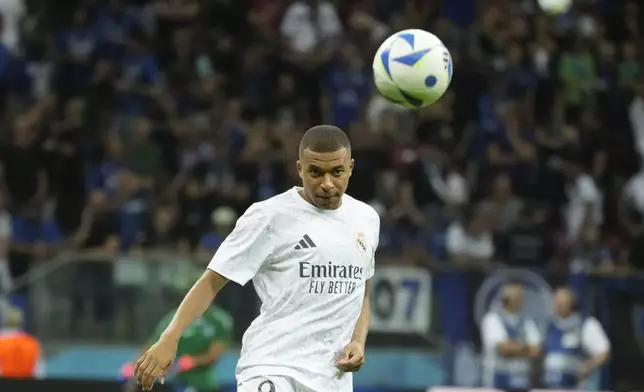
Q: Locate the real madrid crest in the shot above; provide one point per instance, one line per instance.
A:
(361, 242)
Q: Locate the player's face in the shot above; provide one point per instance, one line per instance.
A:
(325, 176)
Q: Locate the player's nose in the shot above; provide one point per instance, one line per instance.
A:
(327, 183)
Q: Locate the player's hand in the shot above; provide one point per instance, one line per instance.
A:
(352, 358)
(154, 364)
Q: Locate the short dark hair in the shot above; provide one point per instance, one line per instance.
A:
(325, 138)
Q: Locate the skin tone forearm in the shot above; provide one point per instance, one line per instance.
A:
(517, 349)
(362, 325)
(196, 302)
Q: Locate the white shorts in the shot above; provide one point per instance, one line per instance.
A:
(272, 384)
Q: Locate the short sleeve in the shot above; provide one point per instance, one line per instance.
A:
(245, 250)
(492, 331)
(594, 338)
(533, 337)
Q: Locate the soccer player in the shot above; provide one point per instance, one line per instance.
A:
(310, 254)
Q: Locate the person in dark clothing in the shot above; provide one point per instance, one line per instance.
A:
(94, 284)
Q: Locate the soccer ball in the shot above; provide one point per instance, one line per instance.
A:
(412, 68)
(555, 7)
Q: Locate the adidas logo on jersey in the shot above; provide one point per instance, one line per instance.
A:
(305, 243)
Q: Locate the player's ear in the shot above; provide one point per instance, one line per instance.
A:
(351, 166)
(298, 165)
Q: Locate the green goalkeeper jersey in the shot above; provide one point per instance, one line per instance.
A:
(214, 326)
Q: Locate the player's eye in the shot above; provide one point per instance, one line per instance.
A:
(338, 172)
(315, 173)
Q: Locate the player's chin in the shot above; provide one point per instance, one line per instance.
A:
(327, 202)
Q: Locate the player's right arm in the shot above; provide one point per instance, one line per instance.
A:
(238, 259)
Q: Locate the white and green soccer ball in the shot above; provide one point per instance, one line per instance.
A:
(412, 68)
(555, 7)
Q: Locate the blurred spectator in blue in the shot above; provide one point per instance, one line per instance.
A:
(311, 30)
(139, 73)
(114, 22)
(104, 174)
(77, 48)
(348, 85)
(35, 236)
(132, 198)
(222, 222)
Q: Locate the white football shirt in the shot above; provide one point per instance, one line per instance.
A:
(309, 267)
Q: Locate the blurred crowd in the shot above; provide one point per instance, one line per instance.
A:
(137, 124)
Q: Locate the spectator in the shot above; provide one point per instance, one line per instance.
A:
(64, 149)
(93, 293)
(20, 353)
(22, 161)
(631, 206)
(77, 47)
(584, 209)
(311, 30)
(636, 116)
(165, 229)
(503, 206)
(35, 237)
(348, 85)
(510, 342)
(223, 220)
(132, 199)
(12, 12)
(527, 242)
(470, 242)
(142, 155)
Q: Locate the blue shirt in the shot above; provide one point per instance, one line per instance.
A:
(104, 176)
(81, 42)
(133, 217)
(348, 89)
(30, 232)
(211, 241)
(112, 29)
(137, 68)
